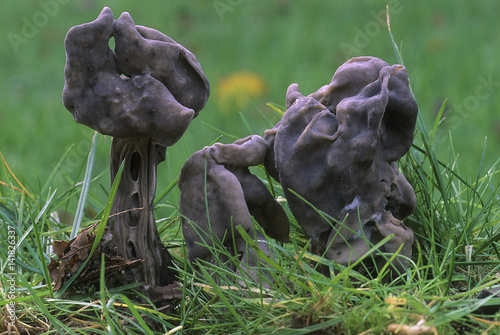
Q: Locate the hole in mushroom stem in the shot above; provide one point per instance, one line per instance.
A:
(131, 250)
(135, 166)
(134, 215)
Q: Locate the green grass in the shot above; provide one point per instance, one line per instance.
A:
(456, 257)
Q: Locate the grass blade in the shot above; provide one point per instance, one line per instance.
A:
(85, 189)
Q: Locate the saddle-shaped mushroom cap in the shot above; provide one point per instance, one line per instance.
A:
(167, 61)
(149, 86)
(212, 200)
(216, 181)
(335, 151)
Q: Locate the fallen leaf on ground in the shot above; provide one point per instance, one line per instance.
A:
(73, 253)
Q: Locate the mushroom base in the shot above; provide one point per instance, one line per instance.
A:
(133, 222)
(396, 251)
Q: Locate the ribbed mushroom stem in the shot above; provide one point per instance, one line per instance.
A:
(134, 225)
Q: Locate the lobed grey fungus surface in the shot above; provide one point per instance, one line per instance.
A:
(218, 193)
(144, 93)
(335, 151)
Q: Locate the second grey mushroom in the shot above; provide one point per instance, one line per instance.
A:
(218, 193)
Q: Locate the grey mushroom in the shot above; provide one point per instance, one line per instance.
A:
(145, 94)
(335, 152)
(218, 193)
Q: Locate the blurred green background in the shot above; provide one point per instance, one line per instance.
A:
(251, 51)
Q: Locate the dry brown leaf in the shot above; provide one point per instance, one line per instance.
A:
(73, 253)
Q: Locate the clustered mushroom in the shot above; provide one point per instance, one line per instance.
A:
(218, 193)
(144, 93)
(334, 152)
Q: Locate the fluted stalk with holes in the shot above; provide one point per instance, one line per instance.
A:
(133, 220)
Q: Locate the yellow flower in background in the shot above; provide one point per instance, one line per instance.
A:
(235, 91)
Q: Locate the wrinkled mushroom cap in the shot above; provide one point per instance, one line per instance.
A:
(161, 90)
(401, 110)
(167, 61)
(216, 181)
(335, 151)
(211, 203)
